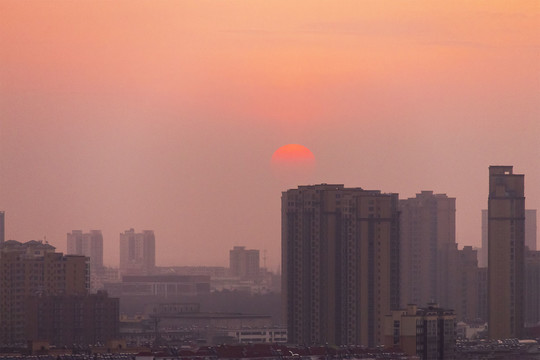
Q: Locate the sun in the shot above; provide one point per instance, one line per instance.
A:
(293, 164)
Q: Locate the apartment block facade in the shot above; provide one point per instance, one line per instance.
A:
(244, 263)
(506, 245)
(340, 263)
(65, 320)
(34, 269)
(137, 252)
(428, 246)
(88, 244)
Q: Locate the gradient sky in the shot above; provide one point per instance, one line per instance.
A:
(164, 115)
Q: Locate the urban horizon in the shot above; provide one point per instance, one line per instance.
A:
(60, 244)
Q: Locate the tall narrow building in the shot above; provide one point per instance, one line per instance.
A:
(530, 229)
(88, 244)
(506, 243)
(530, 234)
(340, 264)
(244, 263)
(428, 246)
(137, 252)
(532, 287)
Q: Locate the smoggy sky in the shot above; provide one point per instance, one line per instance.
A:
(164, 115)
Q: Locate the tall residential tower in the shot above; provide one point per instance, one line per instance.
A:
(87, 244)
(244, 263)
(340, 259)
(137, 252)
(506, 243)
(427, 238)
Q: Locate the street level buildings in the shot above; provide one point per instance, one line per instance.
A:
(65, 320)
(428, 333)
(137, 252)
(340, 263)
(506, 243)
(163, 286)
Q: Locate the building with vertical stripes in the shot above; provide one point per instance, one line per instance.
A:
(340, 264)
(506, 245)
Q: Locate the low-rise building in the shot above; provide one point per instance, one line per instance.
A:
(259, 335)
(167, 286)
(425, 332)
(65, 320)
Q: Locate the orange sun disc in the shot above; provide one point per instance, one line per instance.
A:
(293, 164)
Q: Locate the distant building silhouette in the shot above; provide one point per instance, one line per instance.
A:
(467, 305)
(532, 288)
(137, 252)
(340, 263)
(506, 243)
(244, 263)
(428, 249)
(164, 286)
(483, 254)
(530, 229)
(483, 294)
(87, 244)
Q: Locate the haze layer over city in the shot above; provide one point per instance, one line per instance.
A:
(164, 116)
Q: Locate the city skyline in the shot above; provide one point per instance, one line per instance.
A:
(165, 117)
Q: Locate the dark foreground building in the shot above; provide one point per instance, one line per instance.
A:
(340, 259)
(506, 252)
(428, 333)
(44, 296)
(73, 320)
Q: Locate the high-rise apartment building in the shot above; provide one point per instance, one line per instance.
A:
(34, 269)
(467, 283)
(483, 253)
(244, 263)
(532, 287)
(530, 229)
(428, 239)
(87, 244)
(137, 252)
(458, 281)
(530, 235)
(483, 294)
(340, 263)
(506, 243)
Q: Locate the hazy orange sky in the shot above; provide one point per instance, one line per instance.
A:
(164, 115)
